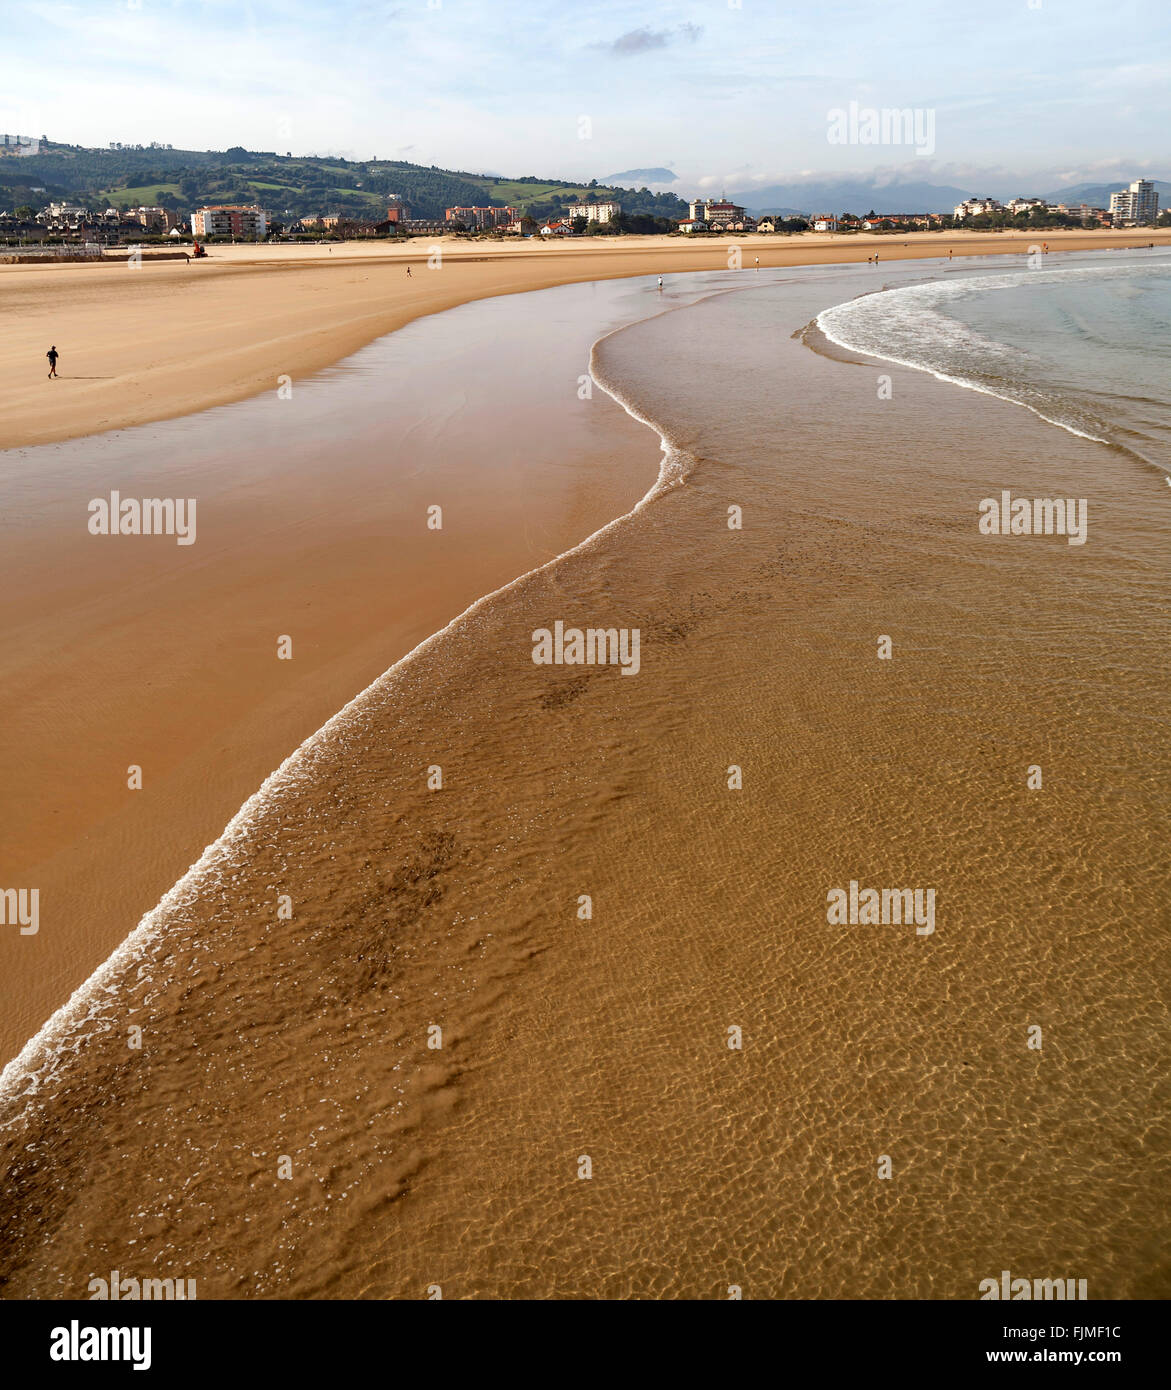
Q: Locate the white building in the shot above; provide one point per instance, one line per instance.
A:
(1015, 205)
(65, 212)
(720, 215)
(974, 207)
(230, 219)
(1135, 206)
(595, 212)
(826, 223)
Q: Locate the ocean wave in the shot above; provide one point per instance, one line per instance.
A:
(910, 326)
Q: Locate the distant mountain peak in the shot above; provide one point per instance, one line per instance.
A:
(642, 176)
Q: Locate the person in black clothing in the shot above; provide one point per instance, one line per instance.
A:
(52, 356)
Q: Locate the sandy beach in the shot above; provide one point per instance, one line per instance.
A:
(167, 338)
(307, 1038)
(162, 657)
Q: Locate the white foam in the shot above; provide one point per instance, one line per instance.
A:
(841, 315)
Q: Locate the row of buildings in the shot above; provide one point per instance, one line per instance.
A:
(69, 217)
(509, 219)
(719, 215)
(74, 222)
(1136, 206)
(486, 219)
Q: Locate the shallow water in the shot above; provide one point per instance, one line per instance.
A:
(1084, 341)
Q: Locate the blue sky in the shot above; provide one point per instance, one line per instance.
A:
(727, 94)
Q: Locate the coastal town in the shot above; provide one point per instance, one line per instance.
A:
(37, 222)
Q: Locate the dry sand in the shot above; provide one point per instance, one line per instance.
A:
(167, 338)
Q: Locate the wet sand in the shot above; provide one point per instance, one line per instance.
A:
(312, 523)
(307, 1037)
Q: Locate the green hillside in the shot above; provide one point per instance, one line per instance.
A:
(146, 195)
(290, 186)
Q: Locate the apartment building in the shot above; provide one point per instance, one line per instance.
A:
(718, 213)
(1136, 206)
(974, 207)
(157, 218)
(484, 218)
(246, 223)
(595, 212)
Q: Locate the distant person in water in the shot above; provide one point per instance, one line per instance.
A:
(52, 356)
(660, 282)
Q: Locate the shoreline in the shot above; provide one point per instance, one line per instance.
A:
(83, 1005)
(181, 338)
(177, 642)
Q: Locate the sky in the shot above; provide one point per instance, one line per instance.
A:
(730, 94)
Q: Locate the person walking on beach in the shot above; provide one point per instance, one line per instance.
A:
(409, 276)
(52, 356)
